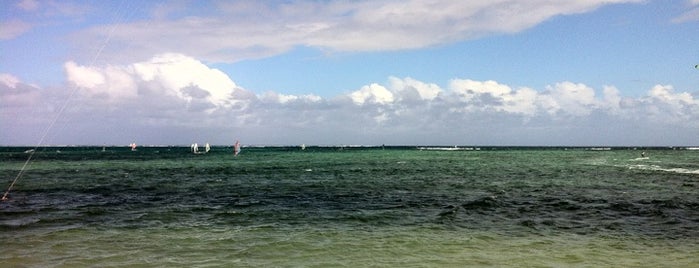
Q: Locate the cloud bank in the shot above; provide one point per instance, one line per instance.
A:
(233, 30)
(177, 99)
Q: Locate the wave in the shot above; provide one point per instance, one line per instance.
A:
(664, 169)
(18, 223)
(661, 217)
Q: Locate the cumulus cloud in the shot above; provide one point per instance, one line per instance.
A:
(83, 76)
(9, 80)
(165, 76)
(176, 99)
(493, 95)
(409, 89)
(611, 100)
(666, 105)
(565, 103)
(373, 93)
(176, 72)
(274, 97)
(231, 33)
(575, 99)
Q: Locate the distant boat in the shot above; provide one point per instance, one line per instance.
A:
(236, 148)
(133, 146)
(303, 146)
(195, 148)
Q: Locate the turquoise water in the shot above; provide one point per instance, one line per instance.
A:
(396, 207)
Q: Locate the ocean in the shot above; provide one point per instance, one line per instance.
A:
(350, 207)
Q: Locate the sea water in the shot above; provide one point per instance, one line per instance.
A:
(351, 207)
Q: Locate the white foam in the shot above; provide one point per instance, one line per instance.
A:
(659, 168)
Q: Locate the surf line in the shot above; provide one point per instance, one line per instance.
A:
(58, 115)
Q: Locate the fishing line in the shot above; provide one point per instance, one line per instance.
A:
(63, 107)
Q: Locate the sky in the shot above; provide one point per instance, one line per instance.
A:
(393, 72)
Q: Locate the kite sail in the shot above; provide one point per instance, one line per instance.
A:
(236, 148)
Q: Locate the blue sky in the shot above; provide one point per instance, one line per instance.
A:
(350, 72)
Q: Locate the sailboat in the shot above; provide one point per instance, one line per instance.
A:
(133, 146)
(195, 148)
(236, 148)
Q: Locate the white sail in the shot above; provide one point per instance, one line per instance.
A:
(195, 148)
(236, 148)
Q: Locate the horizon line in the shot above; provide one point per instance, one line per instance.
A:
(464, 146)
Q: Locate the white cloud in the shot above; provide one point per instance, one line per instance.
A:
(409, 89)
(665, 94)
(574, 99)
(13, 28)
(522, 102)
(9, 80)
(175, 99)
(493, 95)
(468, 89)
(561, 102)
(110, 83)
(373, 93)
(230, 33)
(611, 100)
(82, 76)
(176, 72)
(664, 105)
(165, 75)
(274, 97)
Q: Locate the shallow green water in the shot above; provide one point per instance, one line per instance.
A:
(352, 207)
